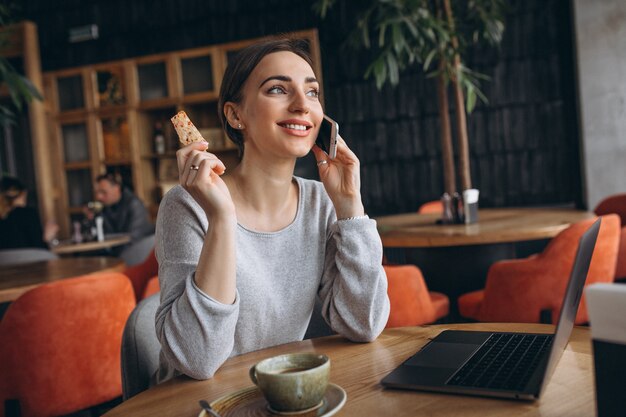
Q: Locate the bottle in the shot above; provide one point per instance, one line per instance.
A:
(99, 228)
(159, 138)
(78, 235)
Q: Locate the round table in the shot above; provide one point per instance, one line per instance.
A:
(17, 279)
(359, 367)
(455, 258)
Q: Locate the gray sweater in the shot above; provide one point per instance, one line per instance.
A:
(279, 275)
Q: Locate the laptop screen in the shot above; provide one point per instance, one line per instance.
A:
(572, 296)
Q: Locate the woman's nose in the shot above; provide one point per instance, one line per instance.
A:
(299, 103)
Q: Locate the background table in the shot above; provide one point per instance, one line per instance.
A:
(17, 279)
(66, 248)
(505, 225)
(359, 367)
(455, 258)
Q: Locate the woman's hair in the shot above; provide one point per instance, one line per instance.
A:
(240, 68)
(10, 189)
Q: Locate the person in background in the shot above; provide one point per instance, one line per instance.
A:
(20, 225)
(123, 211)
(243, 256)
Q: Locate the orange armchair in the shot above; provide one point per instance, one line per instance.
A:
(141, 274)
(411, 302)
(434, 206)
(60, 345)
(519, 290)
(616, 204)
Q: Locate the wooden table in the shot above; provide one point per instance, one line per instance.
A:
(359, 367)
(69, 247)
(494, 226)
(455, 258)
(17, 279)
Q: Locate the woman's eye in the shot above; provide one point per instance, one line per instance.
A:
(276, 90)
(313, 93)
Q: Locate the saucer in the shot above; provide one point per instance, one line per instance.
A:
(249, 402)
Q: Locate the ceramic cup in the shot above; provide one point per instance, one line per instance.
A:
(292, 382)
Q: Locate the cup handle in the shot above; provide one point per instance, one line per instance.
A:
(253, 375)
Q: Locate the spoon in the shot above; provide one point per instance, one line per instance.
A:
(207, 407)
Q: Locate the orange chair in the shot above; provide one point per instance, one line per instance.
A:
(152, 287)
(520, 290)
(616, 204)
(60, 345)
(434, 206)
(411, 302)
(140, 274)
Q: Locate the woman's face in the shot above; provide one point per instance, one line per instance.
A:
(280, 110)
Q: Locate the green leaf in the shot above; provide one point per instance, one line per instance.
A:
(392, 64)
(429, 58)
(471, 100)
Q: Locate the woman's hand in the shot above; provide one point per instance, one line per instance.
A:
(199, 173)
(342, 179)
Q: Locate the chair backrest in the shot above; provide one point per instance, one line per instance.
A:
(60, 345)
(142, 273)
(140, 348)
(408, 297)
(25, 255)
(435, 206)
(137, 252)
(519, 290)
(616, 204)
(317, 325)
(613, 204)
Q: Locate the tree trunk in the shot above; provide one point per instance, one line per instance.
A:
(459, 102)
(446, 134)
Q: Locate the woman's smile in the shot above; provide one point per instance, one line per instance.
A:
(298, 128)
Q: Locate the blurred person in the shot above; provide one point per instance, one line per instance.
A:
(20, 225)
(122, 211)
(243, 257)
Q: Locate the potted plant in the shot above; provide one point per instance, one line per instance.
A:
(433, 34)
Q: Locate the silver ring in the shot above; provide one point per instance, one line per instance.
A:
(194, 168)
(322, 162)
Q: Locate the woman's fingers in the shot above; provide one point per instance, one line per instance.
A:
(203, 165)
(344, 153)
(183, 153)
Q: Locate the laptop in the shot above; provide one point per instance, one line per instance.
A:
(497, 364)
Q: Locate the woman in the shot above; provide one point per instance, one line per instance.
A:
(243, 256)
(20, 226)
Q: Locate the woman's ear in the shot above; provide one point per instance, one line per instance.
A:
(230, 111)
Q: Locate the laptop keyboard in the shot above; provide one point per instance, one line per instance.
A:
(505, 361)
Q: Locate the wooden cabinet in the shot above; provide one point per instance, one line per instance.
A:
(104, 118)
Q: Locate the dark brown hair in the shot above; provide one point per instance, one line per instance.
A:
(114, 178)
(240, 68)
(10, 189)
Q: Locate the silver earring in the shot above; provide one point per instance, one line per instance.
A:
(239, 126)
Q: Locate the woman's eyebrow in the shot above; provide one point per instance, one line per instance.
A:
(287, 79)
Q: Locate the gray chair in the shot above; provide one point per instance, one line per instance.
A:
(317, 326)
(136, 252)
(140, 348)
(25, 255)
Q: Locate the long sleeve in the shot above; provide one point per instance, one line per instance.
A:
(196, 332)
(354, 285)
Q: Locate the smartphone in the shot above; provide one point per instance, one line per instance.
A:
(327, 137)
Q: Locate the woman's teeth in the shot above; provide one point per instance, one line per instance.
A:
(295, 127)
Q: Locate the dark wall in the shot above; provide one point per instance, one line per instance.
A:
(523, 144)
